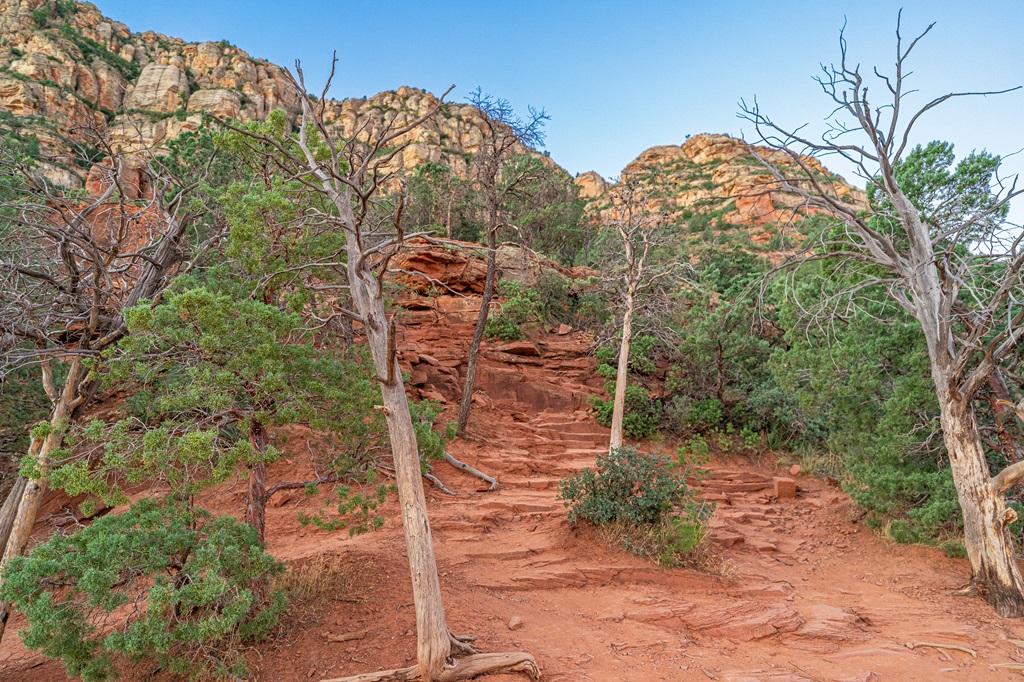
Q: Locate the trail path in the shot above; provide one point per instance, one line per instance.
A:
(808, 593)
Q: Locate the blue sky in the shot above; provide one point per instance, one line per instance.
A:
(619, 77)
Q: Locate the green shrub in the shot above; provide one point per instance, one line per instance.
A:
(685, 414)
(641, 356)
(645, 504)
(519, 309)
(625, 486)
(154, 583)
(641, 415)
(954, 549)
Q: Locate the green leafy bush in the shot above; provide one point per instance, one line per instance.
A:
(626, 485)
(156, 582)
(520, 308)
(646, 504)
(641, 356)
(641, 415)
(685, 414)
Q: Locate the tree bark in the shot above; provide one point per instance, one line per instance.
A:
(622, 373)
(996, 574)
(10, 508)
(466, 401)
(433, 645)
(35, 489)
(256, 499)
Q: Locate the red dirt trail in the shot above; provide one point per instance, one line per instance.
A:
(807, 593)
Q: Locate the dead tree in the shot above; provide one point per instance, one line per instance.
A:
(504, 135)
(351, 174)
(945, 254)
(637, 271)
(70, 265)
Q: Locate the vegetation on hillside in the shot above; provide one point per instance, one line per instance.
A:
(246, 302)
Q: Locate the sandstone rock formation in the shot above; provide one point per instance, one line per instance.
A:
(714, 177)
(69, 74)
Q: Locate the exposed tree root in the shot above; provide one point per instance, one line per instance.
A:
(968, 590)
(437, 484)
(470, 470)
(410, 673)
(462, 669)
(486, 664)
(462, 643)
(940, 647)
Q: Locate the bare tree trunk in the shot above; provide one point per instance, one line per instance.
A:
(435, 660)
(256, 499)
(478, 334)
(434, 645)
(622, 375)
(35, 489)
(996, 574)
(10, 508)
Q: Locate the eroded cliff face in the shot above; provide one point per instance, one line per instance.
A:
(715, 176)
(68, 73)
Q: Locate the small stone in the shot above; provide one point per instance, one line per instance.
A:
(785, 488)
(564, 329)
(515, 623)
(795, 470)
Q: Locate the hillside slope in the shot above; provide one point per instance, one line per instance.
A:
(713, 183)
(803, 592)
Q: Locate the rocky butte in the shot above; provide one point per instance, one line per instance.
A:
(714, 176)
(69, 75)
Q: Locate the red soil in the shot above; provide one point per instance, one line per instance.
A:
(807, 592)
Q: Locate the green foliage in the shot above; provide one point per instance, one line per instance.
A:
(701, 415)
(647, 503)
(152, 583)
(441, 201)
(208, 371)
(641, 356)
(24, 402)
(520, 308)
(879, 413)
(545, 209)
(641, 416)
(626, 485)
(943, 193)
(430, 441)
(17, 141)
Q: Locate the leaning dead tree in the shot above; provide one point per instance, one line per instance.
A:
(936, 240)
(637, 266)
(497, 181)
(352, 173)
(70, 265)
